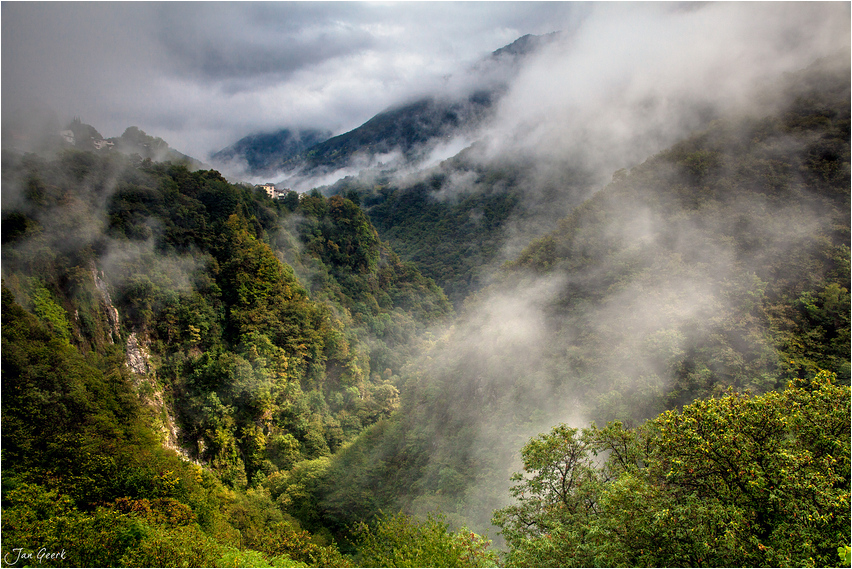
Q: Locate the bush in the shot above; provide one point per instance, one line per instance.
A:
(402, 541)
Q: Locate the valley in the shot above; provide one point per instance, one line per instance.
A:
(622, 353)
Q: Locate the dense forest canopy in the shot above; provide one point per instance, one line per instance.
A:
(238, 360)
(198, 374)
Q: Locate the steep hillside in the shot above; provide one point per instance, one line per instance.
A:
(408, 130)
(198, 374)
(453, 236)
(190, 263)
(168, 288)
(136, 141)
(721, 262)
(267, 154)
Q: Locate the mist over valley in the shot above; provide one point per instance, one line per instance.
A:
(559, 285)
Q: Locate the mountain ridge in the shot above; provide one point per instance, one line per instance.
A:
(411, 128)
(320, 378)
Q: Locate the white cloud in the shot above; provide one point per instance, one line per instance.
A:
(635, 78)
(202, 75)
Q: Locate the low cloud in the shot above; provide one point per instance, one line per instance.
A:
(633, 79)
(203, 75)
(603, 338)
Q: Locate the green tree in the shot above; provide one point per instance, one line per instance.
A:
(729, 481)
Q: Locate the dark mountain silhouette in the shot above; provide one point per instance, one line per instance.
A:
(410, 128)
(269, 152)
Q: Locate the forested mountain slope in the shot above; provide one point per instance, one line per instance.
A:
(158, 298)
(720, 262)
(266, 154)
(453, 237)
(196, 374)
(461, 219)
(407, 129)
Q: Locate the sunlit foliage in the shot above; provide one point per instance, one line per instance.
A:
(734, 481)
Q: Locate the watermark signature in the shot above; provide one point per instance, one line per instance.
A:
(42, 554)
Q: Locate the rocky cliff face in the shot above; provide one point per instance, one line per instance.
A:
(138, 360)
(151, 394)
(109, 309)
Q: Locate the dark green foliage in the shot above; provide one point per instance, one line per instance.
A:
(85, 478)
(411, 129)
(15, 226)
(274, 342)
(44, 377)
(451, 235)
(367, 276)
(267, 153)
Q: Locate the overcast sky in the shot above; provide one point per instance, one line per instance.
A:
(201, 75)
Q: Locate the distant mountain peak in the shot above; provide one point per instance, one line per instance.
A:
(408, 128)
(82, 135)
(526, 45)
(266, 152)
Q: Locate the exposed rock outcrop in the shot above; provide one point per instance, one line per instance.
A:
(109, 309)
(151, 394)
(144, 375)
(137, 357)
